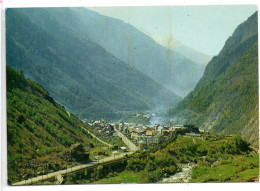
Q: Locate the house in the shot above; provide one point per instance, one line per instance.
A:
(117, 126)
(110, 127)
(171, 129)
(178, 126)
(190, 129)
(156, 139)
(142, 145)
(125, 130)
(148, 132)
(133, 133)
(140, 131)
(156, 127)
(149, 140)
(136, 137)
(96, 124)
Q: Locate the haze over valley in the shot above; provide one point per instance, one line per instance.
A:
(93, 97)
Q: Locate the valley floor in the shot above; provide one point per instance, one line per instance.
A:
(212, 167)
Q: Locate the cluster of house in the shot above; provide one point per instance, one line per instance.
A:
(152, 135)
(101, 127)
(144, 135)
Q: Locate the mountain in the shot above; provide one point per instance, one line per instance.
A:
(225, 99)
(78, 73)
(170, 69)
(176, 46)
(39, 130)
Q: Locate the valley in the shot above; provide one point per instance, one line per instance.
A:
(189, 150)
(94, 100)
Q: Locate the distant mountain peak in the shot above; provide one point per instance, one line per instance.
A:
(176, 46)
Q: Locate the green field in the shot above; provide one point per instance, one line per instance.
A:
(218, 159)
(235, 169)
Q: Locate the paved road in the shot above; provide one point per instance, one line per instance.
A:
(97, 137)
(129, 143)
(59, 173)
(72, 169)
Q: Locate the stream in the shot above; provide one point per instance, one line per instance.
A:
(183, 176)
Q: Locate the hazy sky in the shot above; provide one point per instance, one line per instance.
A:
(203, 28)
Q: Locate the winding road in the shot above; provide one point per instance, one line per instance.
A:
(94, 136)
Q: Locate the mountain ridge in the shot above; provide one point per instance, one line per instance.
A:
(190, 53)
(130, 45)
(78, 73)
(225, 100)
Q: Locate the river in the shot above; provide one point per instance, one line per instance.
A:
(183, 176)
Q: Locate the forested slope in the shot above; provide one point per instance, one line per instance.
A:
(39, 130)
(78, 73)
(226, 98)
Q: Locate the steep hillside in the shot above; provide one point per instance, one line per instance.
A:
(127, 44)
(78, 73)
(226, 98)
(39, 130)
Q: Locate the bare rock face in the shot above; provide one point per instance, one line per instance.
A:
(251, 131)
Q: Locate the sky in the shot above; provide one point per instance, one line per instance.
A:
(203, 28)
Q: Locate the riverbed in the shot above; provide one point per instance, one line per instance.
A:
(183, 176)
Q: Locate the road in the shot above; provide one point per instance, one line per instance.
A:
(129, 143)
(132, 147)
(97, 137)
(68, 170)
(58, 174)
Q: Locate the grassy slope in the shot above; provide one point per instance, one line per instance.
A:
(239, 169)
(218, 159)
(38, 127)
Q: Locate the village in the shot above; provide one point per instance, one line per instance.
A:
(143, 136)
